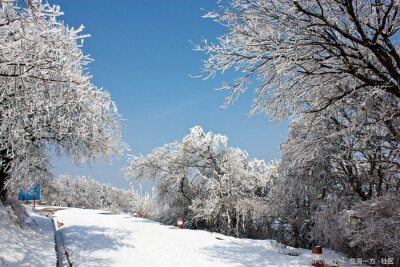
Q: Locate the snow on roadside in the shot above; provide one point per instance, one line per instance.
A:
(30, 243)
(98, 238)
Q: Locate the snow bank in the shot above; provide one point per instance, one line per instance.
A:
(28, 243)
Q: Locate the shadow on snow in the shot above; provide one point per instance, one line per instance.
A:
(92, 242)
(250, 254)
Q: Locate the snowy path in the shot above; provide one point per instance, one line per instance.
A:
(95, 238)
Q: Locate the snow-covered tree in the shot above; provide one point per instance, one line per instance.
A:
(304, 56)
(336, 165)
(204, 181)
(359, 150)
(146, 204)
(235, 198)
(292, 200)
(179, 168)
(47, 101)
(368, 229)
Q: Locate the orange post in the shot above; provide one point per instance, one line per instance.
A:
(180, 223)
(317, 259)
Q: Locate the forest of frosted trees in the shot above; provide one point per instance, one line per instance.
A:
(85, 192)
(333, 69)
(329, 67)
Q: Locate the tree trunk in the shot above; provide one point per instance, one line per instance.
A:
(4, 176)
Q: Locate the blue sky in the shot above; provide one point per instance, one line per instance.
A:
(143, 56)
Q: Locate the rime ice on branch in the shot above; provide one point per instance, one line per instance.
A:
(303, 56)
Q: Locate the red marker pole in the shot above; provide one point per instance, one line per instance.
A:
(180, 223)
(317, 259)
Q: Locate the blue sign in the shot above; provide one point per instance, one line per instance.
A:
(30, 194)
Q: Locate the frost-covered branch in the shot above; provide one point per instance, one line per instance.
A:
(301, 55)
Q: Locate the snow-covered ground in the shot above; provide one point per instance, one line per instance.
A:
(28, 243)
(99, 238)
